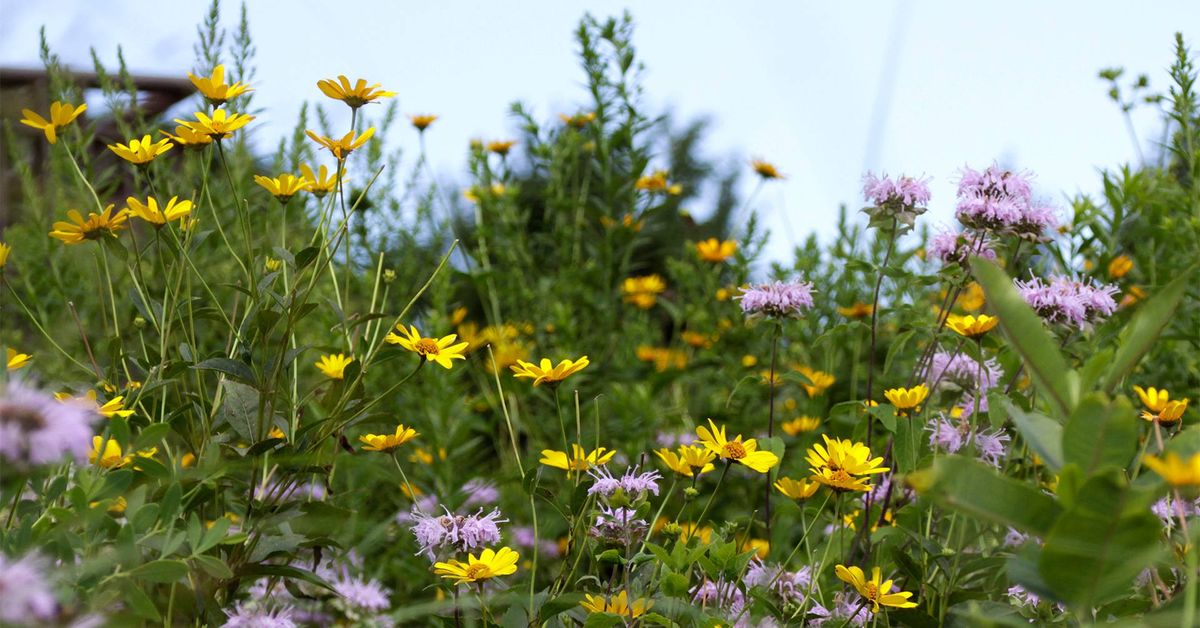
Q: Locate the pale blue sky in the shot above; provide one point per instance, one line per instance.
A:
(794, 82)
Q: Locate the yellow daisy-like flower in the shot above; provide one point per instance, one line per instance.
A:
(818, 381)
(745, 452)
(1175, 470)
(490, 564)
(907, 400)
(579, 460)
(617, 605)
(109, 409)
(1155, 399)
(214, 89)
(643, 291)
(322, 181)
(441, 350)
(61, 115)
(546, 372)
(797, 489)
(687, 460)
(188, 138)
(355, 95)
(716, 251)
(422, 121)
(765, 169)
(141, 152)
(475, 192)
(149, 211)
(1119, 266)
(876, 592)
(348, 143)
(501, 147)
(106, 223)
(219, 125)
(1171, 412)
(856, 311)
(657, 183)
(388, 442)
(579, 120)
(800, 424)
(284, 186)
(16, 359)
(843, 464)
(5, 250)
(971, 326)
(334, 366)
(110, 456)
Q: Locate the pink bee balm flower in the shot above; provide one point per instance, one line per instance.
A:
(777, 299)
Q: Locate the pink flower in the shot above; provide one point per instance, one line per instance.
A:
(777, 299)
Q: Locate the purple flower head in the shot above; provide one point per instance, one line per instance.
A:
(719, 594)
(1021, 597)
(991, 446)
(480, 492)
(605, 484)
(846, 610)
(454, 532)
(360, 593)
(253, 615)
(37, 429)
(25, 594)
(671, 440)
(963, 371)
(1002, 200)
(635, 483)
(895, 201)
(1167, 510)
(1069, 302)
(951, 247)
(478, 530)
(778, 299)
(619, 526)
(1015, 538)
(946, 434)
(789, 585)
(523, 537)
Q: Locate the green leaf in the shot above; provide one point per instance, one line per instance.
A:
(151, 435)
(1145, 326)
(907, 446)
(139, 602)
(283, 571)
(163, 570)
(1028, 336)
(1100, 433)
(214, 567)
(975, 488)
(233, 368)
(1043, 434)
(897, 345)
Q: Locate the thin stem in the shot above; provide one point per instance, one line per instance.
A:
(875, 322)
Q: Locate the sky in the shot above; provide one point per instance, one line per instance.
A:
(826, 91)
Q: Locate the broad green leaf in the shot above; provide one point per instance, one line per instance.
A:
(907, 446)
(1043, 434)
(233, 368)
(214, 566)
(1026, 333)
(975, 488)
(164, 570)
(1146, 325)
(1100, 433)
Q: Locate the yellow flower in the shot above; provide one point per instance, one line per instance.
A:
(662, 358)
(656, 183)
(716, 251)
(149, 211)
(425, 456)
(189, 138)
(214, 89)
(856, 311)
(745, 452)
(187, 460)
(1175, 470)
(341, 148)
(141, 152)
(272, 264)
(617, 605)
(802, 489)
(1153, 398)
(765, 169)
(321, 182)
(276, 433)
(579, 120)
(546, 372)
(388, 442)
(106, 223)
(907, 400)
(441, 350)
(1119, 266)
(334, 366)
(357, 95)
(501, 147)
(800, 424)
(111, 457)
(16, 359)
(475, 192)
(627, 221)
(1131, 296)
(971, 326)
(761, 547)
(109, 409)
(580, 460)
(972, 298)
(688, 459)
(643, 291)
(874, 591)
(285, 186)
(117, 507)
(818, 381)
(843, 464)
(4, 251)
(220, 125)
(697, 339)
(422, 122)
(490, 564)
(1171, 413)
(61, 114)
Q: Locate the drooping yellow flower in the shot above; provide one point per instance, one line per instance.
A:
(16, 359)
(579, 460)
(643, 291)
(5, 250)
(800, 424)
(547, 372)
(189, 138)
(907, 400)
(818, 381)
(856, 311)
(149, 211)
(214, 89)
(388, 442)
(334, 366)
(1175, 470)
(106, 223)
(1120, 266)
(876, 592)
(422, 121)
(61, 115)
(716, 251)
(441, 350)
(348, 143)
(355, 95)
(657, 183)
(765, 169)
(1154, 399)
(971, 326)
(797, 489)
(321, 182)
(1170, 414)
(617, 605)
(843, 465)
(687, 460)
(220, 125)
(501, 147)
(745, 452)
(141, 152)
(490, 564)
(284, 186)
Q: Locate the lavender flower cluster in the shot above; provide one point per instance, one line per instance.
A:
(449, 533)
(618, 526)
(37, 429)
(790, 586)
(952, 247)
(360, 600)
(632, 483)
(895, 201)
(964, 372)
(25, 594)
(951, 435)
(1069, 302)
(779, 299)
(1001, 201)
